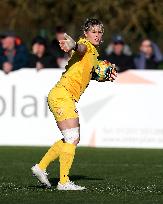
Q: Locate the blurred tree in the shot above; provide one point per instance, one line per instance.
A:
(132, 18)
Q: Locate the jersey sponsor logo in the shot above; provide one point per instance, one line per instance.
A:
(59, 111)
(76, 111)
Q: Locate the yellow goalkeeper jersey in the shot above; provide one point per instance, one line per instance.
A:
(79, 70)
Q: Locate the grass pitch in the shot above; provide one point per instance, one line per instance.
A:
(111, 176)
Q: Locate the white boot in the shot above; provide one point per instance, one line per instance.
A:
(41, 175)
(69, 186)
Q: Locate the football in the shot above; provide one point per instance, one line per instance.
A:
(103, 70)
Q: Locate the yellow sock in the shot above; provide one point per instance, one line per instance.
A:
(66, 159)
(51, 155)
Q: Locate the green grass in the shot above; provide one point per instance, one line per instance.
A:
(110, 175)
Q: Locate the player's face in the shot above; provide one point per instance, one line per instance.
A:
(94, 34)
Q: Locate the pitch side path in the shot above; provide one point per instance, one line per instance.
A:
(110, 175)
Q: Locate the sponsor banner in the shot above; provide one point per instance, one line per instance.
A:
(126, 113)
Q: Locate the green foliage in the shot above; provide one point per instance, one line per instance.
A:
(132, 18)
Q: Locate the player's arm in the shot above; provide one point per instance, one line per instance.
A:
(81, 49)
(69, 44)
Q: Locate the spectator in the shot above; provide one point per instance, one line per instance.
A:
(120, 54)
(13, 54)
(1, 49)
(40, 57)
(149, 56)
(59, 55)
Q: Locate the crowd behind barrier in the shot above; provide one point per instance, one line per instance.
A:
(14, 54)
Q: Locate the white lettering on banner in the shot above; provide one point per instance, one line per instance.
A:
(126, 113)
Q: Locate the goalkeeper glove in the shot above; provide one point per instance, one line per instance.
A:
(69, 42)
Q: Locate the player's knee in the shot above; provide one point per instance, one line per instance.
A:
(76, 142)
(71, 135)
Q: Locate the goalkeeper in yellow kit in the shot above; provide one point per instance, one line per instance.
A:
(62, 98)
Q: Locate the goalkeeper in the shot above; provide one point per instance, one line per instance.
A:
(62, 97)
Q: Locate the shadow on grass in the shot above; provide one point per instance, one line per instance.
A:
(54, 181)
(39, 186)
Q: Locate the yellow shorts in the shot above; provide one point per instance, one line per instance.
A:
(62, 104)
